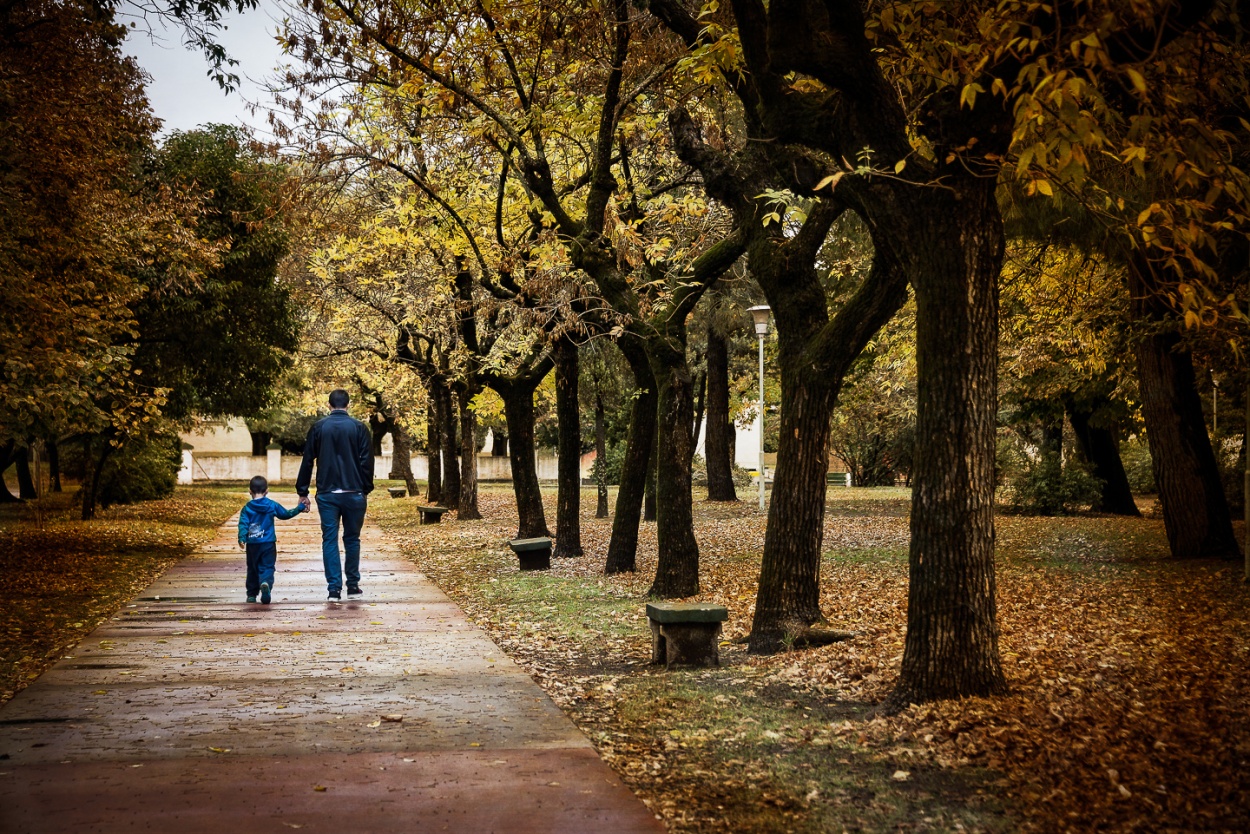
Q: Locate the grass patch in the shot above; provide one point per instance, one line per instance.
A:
(65, 576)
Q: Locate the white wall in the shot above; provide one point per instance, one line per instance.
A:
(217, 466)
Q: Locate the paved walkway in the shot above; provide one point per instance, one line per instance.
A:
(193, 711)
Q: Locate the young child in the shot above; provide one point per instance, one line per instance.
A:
(256, 534)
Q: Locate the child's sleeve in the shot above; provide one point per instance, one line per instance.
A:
(245, 518)
(283, 513)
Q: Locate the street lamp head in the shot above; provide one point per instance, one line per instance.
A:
(760, 315)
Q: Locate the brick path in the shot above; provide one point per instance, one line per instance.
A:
(193, 711)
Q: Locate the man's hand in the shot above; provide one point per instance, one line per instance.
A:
(306, 503)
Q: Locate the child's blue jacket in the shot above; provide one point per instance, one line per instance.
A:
(256, 519)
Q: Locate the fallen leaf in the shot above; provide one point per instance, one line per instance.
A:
(393, 717)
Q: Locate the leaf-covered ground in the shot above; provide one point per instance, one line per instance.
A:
(63, 576)
(1129, 673)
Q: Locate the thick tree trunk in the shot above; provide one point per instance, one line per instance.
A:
(814, 356)
(677, 568)
(720, 479)
(635, 467)
(1099, 447)
(451, 463)
(788, 599)
(1191, 494)
(467, 509)
(569, 477)
(952, 246)
(401, 460)
(601, 460)
(1195, 512)
(433, 447)
(25, 482)
(518, 401)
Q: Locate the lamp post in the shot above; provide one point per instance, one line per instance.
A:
(760, 315)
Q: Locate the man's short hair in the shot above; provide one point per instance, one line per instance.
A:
(258, 485)
(339, 398)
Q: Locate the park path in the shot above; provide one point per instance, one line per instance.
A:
(192, 711)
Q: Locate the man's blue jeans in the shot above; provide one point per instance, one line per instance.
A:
(349, 508)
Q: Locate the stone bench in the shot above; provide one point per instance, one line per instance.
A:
(534, 554)
(397, 492)
(432, 515)
(685, 633)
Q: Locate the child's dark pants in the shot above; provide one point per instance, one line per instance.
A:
(262, 557)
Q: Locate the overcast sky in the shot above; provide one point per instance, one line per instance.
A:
(182, 94)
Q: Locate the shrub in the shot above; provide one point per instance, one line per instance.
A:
(1135, 455)
(143, 470)
(1048, 487)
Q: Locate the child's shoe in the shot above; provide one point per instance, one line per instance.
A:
(264, 592)
(251, 599)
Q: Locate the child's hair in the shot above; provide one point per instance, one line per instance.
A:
(258, 485)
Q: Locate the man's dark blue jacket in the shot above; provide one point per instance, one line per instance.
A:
(343, 449)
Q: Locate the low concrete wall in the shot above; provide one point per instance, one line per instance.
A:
(218, 466)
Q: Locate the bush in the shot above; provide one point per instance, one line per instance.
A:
(143, 470)
(611, 465)
(1048, 487)
(1135, 455)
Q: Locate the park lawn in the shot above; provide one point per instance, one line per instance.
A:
(1129, 675)
(64, 576)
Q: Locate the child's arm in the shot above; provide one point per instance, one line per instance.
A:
(245, 518)
(283, 513)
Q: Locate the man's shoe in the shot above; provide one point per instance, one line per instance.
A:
(264, 592)
(251, 599)
(334, 596)
(354, 591)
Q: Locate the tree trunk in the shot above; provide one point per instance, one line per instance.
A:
(601, 460)
(1195, 512)
(518, 401)
(433, 447)
(648, 499)
(54, 464)
(636, 465)
(90, 490)
(720, 479)
(401, 460)
(499, 444)
(814, 357)
(1191, 494)
(677, 568)
(451, 464)
(6, 458)
(378, 428)
(700, 398)
(25, 483)
(569, 485)
(467, 509)
(260, 443)
(1099, 447)
(952, 246)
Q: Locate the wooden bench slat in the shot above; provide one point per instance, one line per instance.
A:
(686, 612)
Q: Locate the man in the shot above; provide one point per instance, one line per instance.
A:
(343, 449)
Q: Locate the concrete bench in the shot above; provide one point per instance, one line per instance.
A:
(397, 492)
(534, 554)
(685, 633)
(432, 515)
